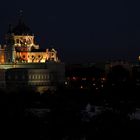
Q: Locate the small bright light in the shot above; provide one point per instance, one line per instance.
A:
(139, 57)
(74, 78)
(83, 79)
(103, 78)
(94, 84)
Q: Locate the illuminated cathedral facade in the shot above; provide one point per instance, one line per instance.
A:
(20, 47)
(24, 63)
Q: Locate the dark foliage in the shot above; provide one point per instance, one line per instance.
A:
(61, 115)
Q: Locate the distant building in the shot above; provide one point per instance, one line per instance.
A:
(84, 77)
(23, 63)
(124, 64)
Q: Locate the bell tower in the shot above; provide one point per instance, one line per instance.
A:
(19, 39)
(21, 48)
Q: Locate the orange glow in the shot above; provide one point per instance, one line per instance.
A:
(2, 60)
(24, 55)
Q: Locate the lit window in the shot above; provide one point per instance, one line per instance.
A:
(48, 76)
(42, 76)
(39, 76)
(32, 76)
(36, 76)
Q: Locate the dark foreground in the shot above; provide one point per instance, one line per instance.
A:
(70, 114)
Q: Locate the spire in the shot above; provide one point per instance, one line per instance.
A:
(20, 16)
(21, 28)
(21, 12)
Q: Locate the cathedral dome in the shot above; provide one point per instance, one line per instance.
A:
(21, 29)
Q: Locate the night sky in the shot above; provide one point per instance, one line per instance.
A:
(81, 31)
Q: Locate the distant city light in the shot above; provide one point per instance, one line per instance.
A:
(94, 84)
(66, 82)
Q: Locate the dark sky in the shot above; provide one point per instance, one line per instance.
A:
(81, 30)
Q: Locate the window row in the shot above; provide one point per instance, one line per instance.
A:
(30, 77)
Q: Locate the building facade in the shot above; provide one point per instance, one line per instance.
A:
(24, 63)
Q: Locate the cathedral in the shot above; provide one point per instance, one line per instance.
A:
(24, 63)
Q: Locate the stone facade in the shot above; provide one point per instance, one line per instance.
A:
(24, 64)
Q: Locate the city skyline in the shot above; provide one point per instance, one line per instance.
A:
(80, 31)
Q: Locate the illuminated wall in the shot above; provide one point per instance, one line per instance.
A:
(36, 57)
(23, 63)
(39, 76)
(2, 56)
(24, 41)
(23, 50)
